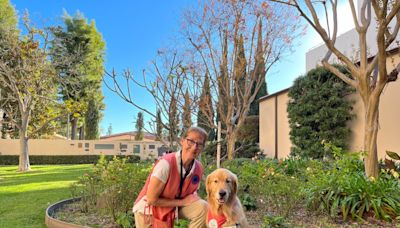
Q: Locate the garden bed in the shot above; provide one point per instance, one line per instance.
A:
(68, 213)
(301, 217)
(291, 193)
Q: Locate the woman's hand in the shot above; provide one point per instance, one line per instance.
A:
(190, 199)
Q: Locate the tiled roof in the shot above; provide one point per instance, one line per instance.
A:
(129, 133)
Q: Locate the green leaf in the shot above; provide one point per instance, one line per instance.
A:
(393, 155)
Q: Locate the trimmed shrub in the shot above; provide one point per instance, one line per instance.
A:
(63, 159)
(318, 111)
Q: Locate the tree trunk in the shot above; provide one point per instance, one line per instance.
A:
(2, 125)
(370, 137)
(74, 126)
(81, 133)
(23, 144)
(230, 145)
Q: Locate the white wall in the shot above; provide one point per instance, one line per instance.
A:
(348, 44)
(148, 150)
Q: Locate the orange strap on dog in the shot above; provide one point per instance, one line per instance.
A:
(215, 221)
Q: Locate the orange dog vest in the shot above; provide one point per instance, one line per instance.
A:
(215, 221)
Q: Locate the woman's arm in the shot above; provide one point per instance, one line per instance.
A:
(154, 191)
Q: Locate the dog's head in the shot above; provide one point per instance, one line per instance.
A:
(221, 187)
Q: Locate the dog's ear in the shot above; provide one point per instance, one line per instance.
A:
(208, 185)
(234, 183)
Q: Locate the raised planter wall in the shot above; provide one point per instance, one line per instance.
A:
(51, 222)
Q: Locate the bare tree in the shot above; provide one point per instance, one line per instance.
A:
(29, 78)
(167, 82)
(368, 75)
(236, 43)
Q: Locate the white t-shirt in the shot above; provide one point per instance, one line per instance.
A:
(161, 172)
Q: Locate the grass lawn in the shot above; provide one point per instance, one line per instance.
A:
(24, 197)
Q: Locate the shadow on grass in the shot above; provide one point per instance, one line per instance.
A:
(13, 178)
(27, 209)
(23, 202)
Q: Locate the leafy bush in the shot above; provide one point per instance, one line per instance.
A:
(274, 221)
(249, 132)
(297, 167)
(337, 187)
(111, 187)
(267, 181)
(126, 220)
(181, 223)
(249, 181)
(281, 191)
(249, 202)
(342, 189)
(244, 149)
(210, 151)
(249, 150)
(392, 163)
(318, 111)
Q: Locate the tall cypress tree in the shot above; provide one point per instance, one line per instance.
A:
(95, 68)
(186, 115)
(206, 109)
(254, 106)
(173, 122)
(80, 43)
(109, 129)
(159, 126)
(92, 120)
(223, 84)
(139, 127)
(259, 74)
(240, 76)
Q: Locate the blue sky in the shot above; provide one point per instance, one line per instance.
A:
(133, 32)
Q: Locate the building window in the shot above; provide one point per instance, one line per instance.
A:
(123, 146)
(136, 149)
(104, 146)
(152, 147)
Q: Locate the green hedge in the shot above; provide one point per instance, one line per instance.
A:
(64, 159)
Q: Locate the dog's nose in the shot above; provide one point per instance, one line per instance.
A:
(222, 193)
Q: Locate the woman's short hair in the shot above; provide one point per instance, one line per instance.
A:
(198, 130)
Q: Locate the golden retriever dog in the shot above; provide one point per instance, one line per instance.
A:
(224, 207)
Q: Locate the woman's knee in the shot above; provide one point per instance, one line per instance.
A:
(194, 210)
(201, 207)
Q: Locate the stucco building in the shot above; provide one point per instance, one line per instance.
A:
(274, 125)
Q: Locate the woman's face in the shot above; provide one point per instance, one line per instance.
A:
(192, 145)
